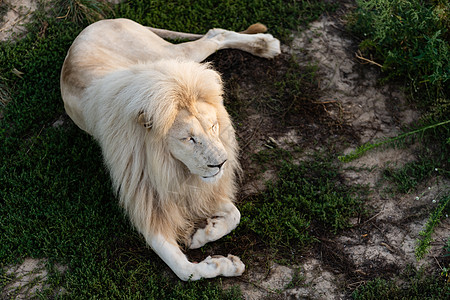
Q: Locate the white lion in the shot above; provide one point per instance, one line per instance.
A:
(166, 137)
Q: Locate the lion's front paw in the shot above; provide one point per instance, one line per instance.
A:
(221, 266)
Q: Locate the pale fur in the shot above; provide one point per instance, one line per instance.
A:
(144, 100)
(140, 164)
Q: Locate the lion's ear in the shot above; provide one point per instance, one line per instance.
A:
(144, 120)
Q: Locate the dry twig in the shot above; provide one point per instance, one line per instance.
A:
(359, 55)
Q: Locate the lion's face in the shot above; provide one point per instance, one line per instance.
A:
(194, 140)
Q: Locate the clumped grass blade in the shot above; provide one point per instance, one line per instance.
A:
(80, 11)
(361, 150)
(424, 241)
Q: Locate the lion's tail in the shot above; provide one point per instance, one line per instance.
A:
(175, 35)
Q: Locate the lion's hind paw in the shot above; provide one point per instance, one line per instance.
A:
(266, 46)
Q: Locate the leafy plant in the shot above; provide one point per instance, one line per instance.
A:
(409, 37)
(435, 218)
(304, 196)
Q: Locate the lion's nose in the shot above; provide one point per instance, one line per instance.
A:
(217, 166)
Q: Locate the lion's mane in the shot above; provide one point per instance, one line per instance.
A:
(156, 190)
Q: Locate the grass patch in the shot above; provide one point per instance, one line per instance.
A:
(406, 178)
(417, 286)
(4, 94)
(199, 16)
(288, 93)
(305, 197)
(294, 94)
(424, 243)
(445, 272)
(35, 95)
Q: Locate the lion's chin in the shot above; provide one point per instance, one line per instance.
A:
(213, 178)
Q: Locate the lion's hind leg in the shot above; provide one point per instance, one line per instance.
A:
(212, 266)
(220, 224)
(259, 44)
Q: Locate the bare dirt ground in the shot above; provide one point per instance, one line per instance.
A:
(351, 108)
(16, 14)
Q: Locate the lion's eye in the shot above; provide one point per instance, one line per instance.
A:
(192, 140)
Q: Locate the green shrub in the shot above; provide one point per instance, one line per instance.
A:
(411, 39)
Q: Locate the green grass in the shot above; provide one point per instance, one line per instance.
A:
(406, 178)
(55, 195)
(411, 39)
(305, 197)
(417, 286)
(445, 272)
(424, 243)
(199, 16)
(289, 91)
